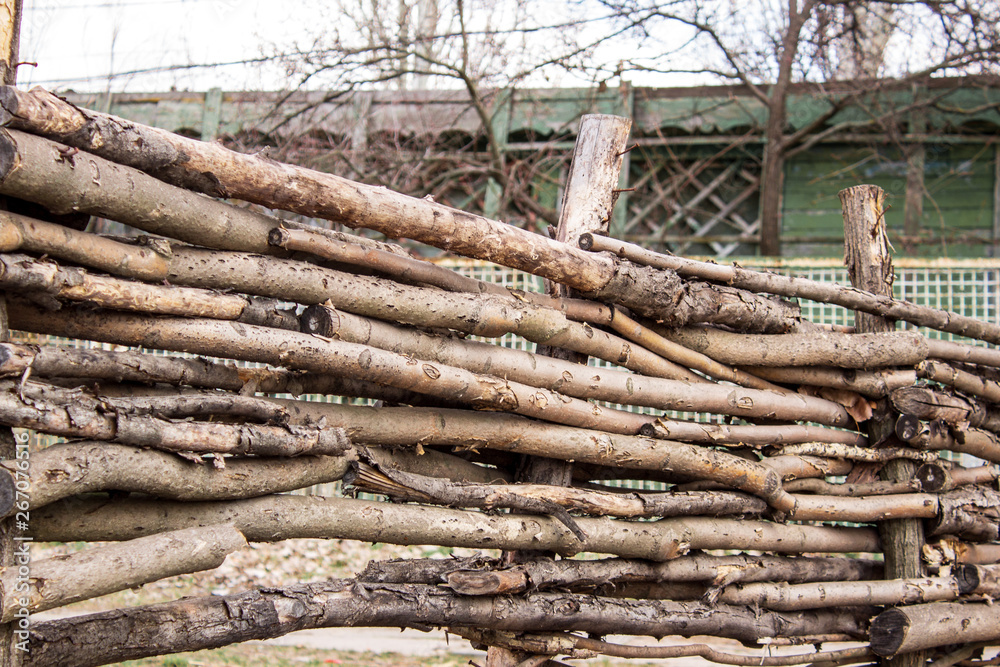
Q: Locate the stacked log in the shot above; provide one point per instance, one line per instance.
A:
(178, 460)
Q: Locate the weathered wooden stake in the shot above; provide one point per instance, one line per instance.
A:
(586, 207)
(867, 255)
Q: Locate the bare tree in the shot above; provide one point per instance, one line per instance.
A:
(769, 46)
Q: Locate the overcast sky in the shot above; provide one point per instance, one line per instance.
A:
(78, 43)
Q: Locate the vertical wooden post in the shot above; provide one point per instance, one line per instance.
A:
(619, 216)
(587, 205)
(867, 255)
(10, 35)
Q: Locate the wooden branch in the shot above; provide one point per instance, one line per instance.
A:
(782, 596)
(486, 315)
(803, 288)
(865, 509)
(962, 352)
(877, 488)
(961, 380)
(75, 413)
(18, 232)
(940, 435)
(926, 404)
(935, 478)
(908, 629)
(860, 351)
(589, 574)
(584, 647)
(127, 366)
(855, 453)
(68, 469)
(213, 169)
(541, 497)
(983, 579)
(969, 512)
(21, 274)
(281, 517)
(406, 269)
(754, 436)
(873, 384)
(259, 344)
(215, 621)
(82, 575)
(537, 370)
(679, 354)
(326, 356)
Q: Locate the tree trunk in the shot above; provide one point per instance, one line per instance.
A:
(82, 575)
(209, 622)
(281, 517)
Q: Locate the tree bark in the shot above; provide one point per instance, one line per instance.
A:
(281, 517)
(542, 497)
(926, 404)
(67, 469)
(18, 232)
(963, 381)
(78, 364)
(970, 512)
(590, 574)
(82, 575)
(199, 623)
(251, 343)
(24, 275)
(864, 351)
(752, 435)
(938, 435)
(871, 384)
(74, 413)
(852, 298)
(537, 370)
(782, 596)
(906, 630)
(486, 315)
(865, 509)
